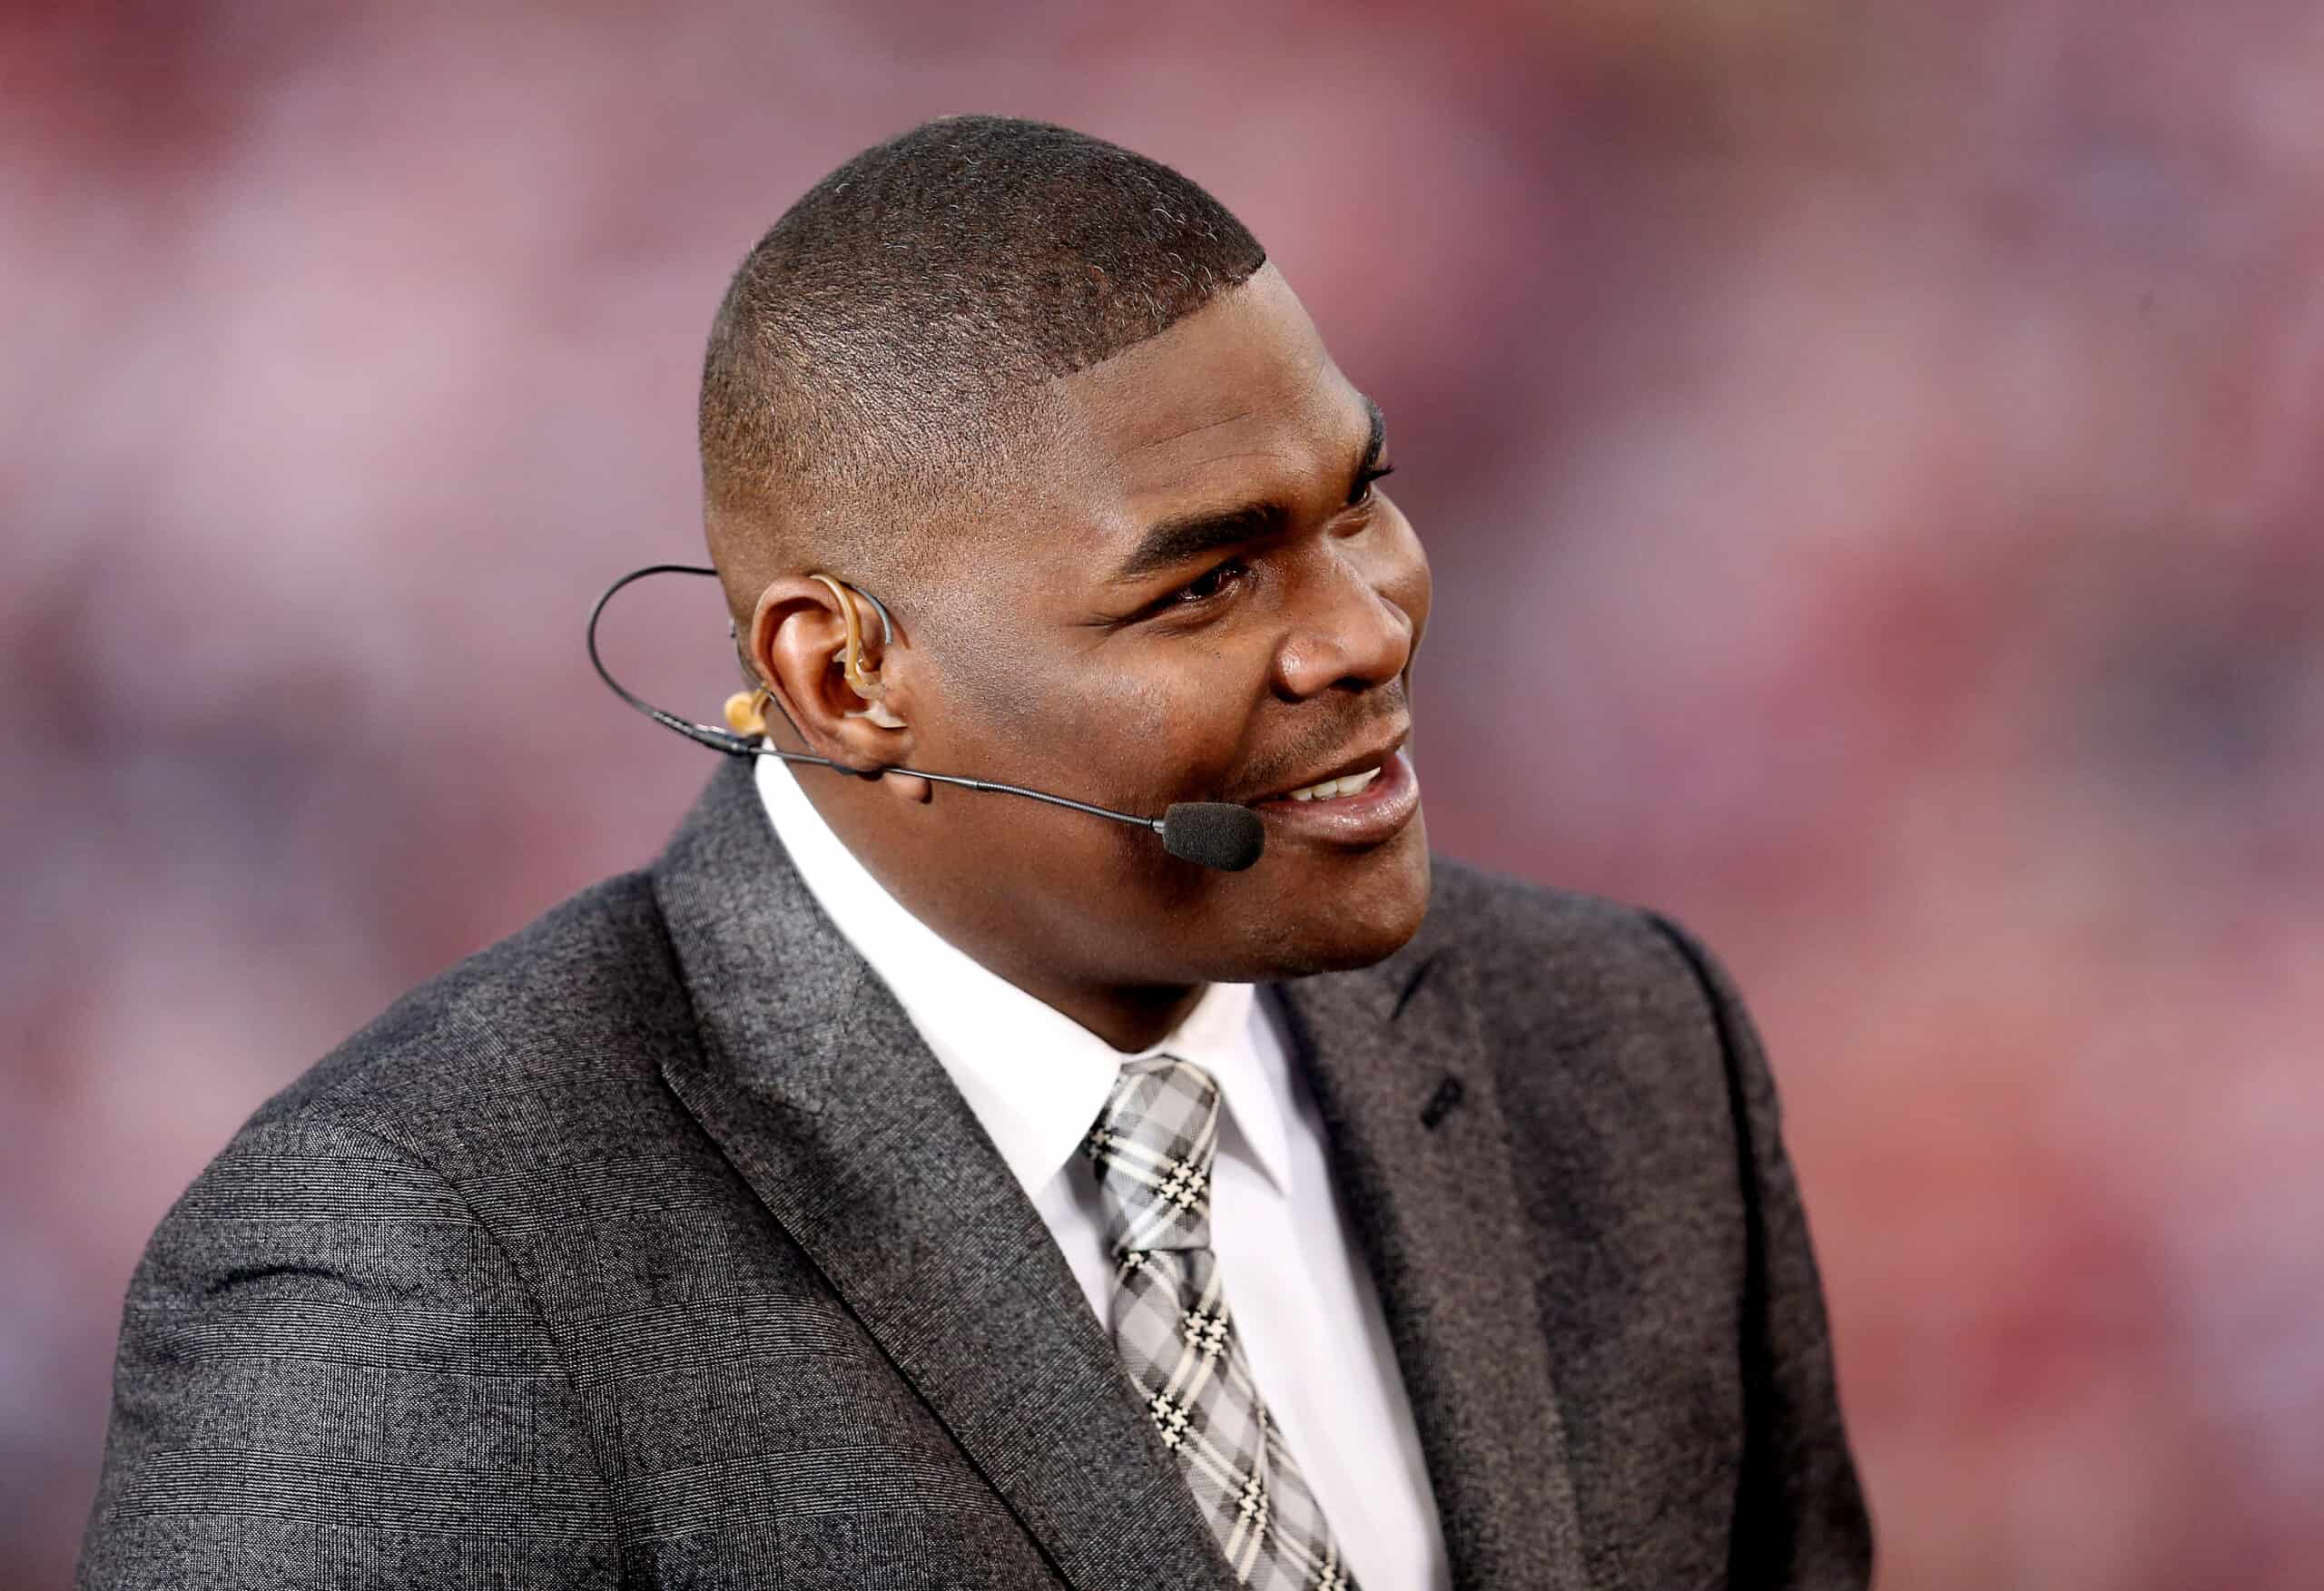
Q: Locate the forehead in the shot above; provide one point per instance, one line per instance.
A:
(1239, 399)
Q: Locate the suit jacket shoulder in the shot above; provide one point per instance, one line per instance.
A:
(1549, 955)
(478, 1299)
(1675, 1268)
(335, 1350)
(510, 1030)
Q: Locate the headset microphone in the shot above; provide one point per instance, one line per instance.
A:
(1215, 834)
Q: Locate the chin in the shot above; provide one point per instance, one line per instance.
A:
(1364, 926)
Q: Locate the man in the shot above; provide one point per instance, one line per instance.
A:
(897, 1185)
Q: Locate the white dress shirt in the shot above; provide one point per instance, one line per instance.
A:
(1296, 1281)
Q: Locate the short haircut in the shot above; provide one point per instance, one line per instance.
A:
(881, 351)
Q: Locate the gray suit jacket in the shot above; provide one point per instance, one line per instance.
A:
(652, 1247)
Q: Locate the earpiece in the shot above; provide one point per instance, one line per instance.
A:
(746, 710)
(865, 682)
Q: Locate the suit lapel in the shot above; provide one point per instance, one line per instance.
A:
(1418, 1143)
(817, 1087)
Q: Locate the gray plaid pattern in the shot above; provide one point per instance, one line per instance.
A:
(1152, 1145)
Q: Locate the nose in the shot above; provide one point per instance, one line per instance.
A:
(1352, 631)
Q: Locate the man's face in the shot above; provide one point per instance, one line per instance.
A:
(1196, 593)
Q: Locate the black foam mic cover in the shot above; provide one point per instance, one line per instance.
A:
(1217, 834)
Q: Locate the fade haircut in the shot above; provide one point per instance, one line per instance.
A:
(881, 355)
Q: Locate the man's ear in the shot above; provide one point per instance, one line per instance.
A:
(798, 646)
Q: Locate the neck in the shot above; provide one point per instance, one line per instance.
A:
(992, 931)
(1130, 1020)
(1130, 1016)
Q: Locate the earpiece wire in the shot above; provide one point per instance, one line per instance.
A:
(737, 745)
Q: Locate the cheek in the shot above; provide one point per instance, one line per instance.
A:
(1145, 714)
(1110, 706)
(1409, 586)
(1158, 727)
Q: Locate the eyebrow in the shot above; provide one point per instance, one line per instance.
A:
(1183, 537)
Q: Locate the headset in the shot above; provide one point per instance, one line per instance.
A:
(1214, 834)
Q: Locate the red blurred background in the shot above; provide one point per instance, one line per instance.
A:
(1871, 455)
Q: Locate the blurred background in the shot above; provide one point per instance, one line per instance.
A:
(1871, 455)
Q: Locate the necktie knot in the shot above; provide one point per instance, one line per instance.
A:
(1152, 1145)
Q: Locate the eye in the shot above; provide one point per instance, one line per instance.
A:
(1211, 583)
(1366, 480)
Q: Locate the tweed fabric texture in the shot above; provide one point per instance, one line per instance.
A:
(1154, 1146)
(650, 1247)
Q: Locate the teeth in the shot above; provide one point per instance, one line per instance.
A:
(1330, 788)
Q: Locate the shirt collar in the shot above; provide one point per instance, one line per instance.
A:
(1035, 1078)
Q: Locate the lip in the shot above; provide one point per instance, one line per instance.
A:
(1375, 814)
(1373, 756)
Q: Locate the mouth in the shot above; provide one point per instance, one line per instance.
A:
(1346, 777)
(1366, 799)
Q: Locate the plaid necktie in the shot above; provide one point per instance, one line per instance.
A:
(1152, 1145)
